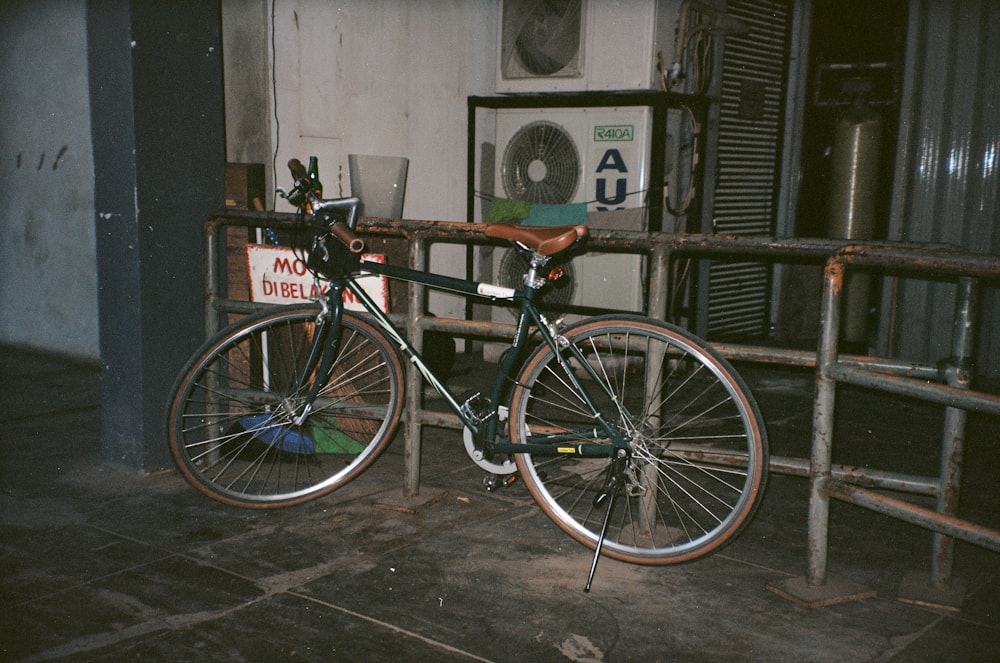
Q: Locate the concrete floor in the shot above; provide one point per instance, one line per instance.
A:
(101, 564)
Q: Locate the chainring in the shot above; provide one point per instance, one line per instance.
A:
(479, 458)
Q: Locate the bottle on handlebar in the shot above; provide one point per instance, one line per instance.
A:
(313, 173)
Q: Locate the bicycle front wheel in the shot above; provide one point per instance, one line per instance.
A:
(698, 448)
(234, 425)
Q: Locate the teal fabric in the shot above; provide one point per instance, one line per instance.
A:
(505, 209)
(557, 215)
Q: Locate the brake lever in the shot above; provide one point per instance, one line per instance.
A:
(296, 196)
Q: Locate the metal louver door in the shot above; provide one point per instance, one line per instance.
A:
(733, 297)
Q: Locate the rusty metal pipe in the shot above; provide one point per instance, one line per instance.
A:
(414, 381)
(959, 376)
(211, 279)
(822, 437)
(942, 394)
(915, 515)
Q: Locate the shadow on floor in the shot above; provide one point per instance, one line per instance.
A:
(99, 563)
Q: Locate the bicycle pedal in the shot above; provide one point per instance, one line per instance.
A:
(494, 482)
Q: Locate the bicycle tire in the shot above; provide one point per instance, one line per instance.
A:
(229, 428)
(698, 445)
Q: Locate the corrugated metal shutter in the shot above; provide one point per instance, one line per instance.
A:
(746, 177)
(947, 180)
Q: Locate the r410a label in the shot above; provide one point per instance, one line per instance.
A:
(614, 132)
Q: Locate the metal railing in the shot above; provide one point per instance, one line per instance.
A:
(949, 386)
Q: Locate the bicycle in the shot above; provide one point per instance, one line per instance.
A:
(634, 436)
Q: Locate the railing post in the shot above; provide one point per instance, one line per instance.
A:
(414, 386)
(211, 277)
(659, 283)
(817, 589)
(822, 435)
(959, 374)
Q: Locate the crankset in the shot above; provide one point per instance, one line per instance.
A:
(474, 407)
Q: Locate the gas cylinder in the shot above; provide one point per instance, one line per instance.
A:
(854, 173)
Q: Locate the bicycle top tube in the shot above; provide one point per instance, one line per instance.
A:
(437, 281)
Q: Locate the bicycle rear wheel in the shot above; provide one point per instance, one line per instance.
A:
(698, 447)
(230, 422)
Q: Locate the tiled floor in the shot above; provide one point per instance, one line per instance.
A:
(98, 563)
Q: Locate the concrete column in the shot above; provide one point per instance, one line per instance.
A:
(156, 89)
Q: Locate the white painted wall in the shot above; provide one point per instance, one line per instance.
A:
(48, 264)
(386, 77)
(246, 62)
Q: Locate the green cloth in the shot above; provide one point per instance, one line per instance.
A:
(557, 215)
(505, 209)
(331, 440)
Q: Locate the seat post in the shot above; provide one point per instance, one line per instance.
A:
(532, 278)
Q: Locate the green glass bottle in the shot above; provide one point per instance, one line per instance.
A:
(313, 172)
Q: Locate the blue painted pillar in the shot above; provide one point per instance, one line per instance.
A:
(157, 119)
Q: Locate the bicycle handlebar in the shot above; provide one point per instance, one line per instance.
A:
(298, 171)
(347, 237)
(342, 231)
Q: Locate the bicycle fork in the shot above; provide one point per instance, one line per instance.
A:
(322, 352)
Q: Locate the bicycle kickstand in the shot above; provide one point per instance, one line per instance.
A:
(609, 492)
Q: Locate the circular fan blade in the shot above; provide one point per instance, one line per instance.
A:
(541, 164)
(549, 40)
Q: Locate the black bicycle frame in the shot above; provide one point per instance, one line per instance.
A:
(542, 444)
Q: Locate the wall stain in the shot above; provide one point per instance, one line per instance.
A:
(62, 152)
(21, 159)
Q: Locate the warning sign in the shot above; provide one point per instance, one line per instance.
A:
(277, 276)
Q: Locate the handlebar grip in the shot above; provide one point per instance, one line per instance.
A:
(353, 243)
(298, 170)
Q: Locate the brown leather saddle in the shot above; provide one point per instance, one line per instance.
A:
(545, 240)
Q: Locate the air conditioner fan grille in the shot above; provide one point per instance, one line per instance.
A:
(541, 164)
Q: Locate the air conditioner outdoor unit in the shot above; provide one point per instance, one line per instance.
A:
(597, 156)
(583, 45)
